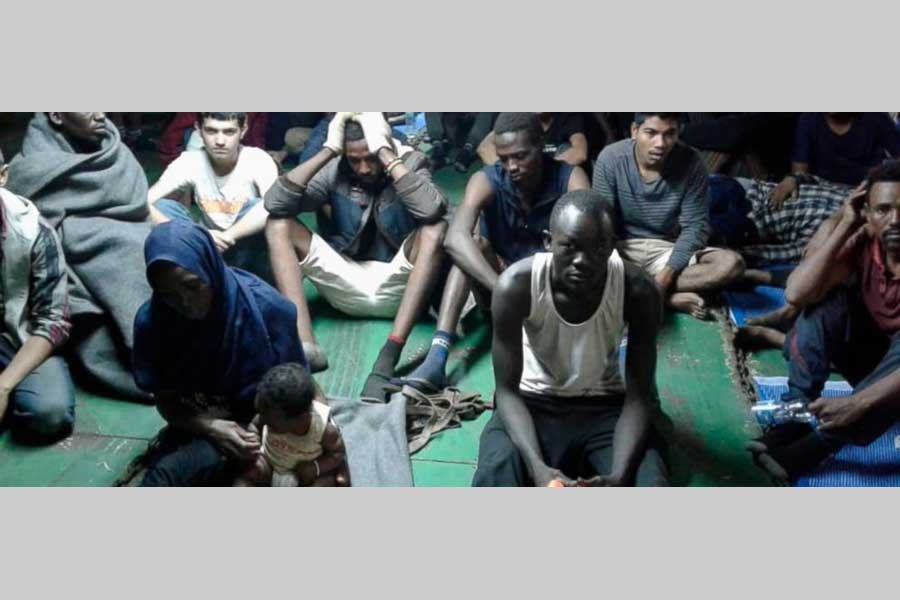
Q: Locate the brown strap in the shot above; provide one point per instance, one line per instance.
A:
(428, 415)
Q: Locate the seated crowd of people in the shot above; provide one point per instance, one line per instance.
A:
(579, 230)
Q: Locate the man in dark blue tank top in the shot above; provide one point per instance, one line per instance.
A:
(504, 214)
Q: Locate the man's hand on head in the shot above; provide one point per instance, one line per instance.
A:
(852, 211)
(335, 139)
(377, 131)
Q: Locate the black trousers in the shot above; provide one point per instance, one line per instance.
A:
(575, 437)
(185, 460)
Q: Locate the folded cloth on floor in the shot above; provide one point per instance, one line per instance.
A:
(374, 435)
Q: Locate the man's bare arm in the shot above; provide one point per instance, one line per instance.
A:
(486, 151)
(460, 243)
(577, 153)
(820, 271)
(510, 307)
(643, 312)
(578, 180)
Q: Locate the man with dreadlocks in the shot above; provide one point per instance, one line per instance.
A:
(378, 249)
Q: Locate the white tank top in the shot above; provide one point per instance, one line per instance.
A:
(285, 450)
(571, 360)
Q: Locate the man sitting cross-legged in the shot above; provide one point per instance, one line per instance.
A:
(512, 199)
(657, 189)
(226, 181)
(381, 229)
(564, 415)
(854, 328)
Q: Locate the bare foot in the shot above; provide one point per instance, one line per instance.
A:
(690, 303)
(754, 338)
(757, 277)
(781, 319)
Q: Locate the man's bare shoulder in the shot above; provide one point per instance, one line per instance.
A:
(517, 276)
(512, 295)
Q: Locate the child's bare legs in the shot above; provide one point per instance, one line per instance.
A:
(256, 474)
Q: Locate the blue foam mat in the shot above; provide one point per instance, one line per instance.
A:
(745, 305)
(760, 300)
(875, 465)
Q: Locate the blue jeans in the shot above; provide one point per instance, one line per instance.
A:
(42, 407)
(250, 254)
(315, 142)
(840, 331)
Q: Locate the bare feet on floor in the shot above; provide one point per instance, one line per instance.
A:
(690, 303)
(315, 356)
(781, 319)
(751, 337)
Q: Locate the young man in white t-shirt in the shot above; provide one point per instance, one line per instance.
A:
(226, 182)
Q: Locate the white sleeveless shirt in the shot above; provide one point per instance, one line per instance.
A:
(572, 360)
(285, 450)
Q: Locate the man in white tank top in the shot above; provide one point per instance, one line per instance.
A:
(564, 414)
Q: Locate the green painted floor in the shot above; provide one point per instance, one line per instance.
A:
(707, 418)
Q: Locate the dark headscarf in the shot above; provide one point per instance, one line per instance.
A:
(250, 327)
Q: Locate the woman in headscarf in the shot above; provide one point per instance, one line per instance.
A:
(202, 343)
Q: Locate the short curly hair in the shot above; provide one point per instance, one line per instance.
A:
(512, 122)
(289, 387)
(586, 202)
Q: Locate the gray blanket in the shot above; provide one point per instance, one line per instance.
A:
(375, 438)
(97, 202)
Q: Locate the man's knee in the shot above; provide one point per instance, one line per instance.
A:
(432, 236)
(295, 139)
(49, 420)
(499, 468)
(730, 266)
(287, 230)
(499, 461)
(652, 471)
(173, 209)
(198, 462)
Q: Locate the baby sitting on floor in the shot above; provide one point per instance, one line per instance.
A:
(296, 431)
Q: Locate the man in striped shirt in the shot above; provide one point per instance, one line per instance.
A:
(657, 190)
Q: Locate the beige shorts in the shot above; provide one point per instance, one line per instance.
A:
(368, 288)
(652, 255)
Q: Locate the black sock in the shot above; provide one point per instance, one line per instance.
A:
(388, 357)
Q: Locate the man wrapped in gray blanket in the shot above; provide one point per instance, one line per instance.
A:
(91, 189)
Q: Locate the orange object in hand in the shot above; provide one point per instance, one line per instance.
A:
(556, 483)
